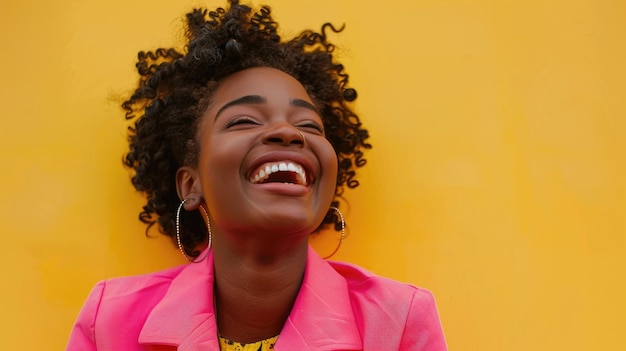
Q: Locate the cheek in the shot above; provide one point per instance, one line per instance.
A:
(219, 168)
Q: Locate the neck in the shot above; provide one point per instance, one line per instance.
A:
(255, 291)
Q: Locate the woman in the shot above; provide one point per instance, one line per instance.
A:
(241, 145)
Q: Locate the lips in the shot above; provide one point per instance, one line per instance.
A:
(285, 171)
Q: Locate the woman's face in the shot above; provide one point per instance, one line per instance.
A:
(265, 164)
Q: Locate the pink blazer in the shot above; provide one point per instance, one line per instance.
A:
(339, 307)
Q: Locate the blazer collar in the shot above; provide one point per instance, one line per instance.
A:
(321, 318)
(185, 316)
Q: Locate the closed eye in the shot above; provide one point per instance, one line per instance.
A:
(241, 120)
(312, 127)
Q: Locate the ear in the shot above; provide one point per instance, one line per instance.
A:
(188, 186)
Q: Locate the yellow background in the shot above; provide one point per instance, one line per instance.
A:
(497, 178)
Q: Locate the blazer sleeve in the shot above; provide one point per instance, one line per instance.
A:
(423, 330)
(83, 336)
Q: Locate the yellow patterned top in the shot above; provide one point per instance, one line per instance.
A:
(263, 345)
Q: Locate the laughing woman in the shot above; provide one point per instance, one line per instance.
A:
(241, 145)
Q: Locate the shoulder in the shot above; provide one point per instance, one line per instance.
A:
(126, 290)
(134, 293)
(127, 299)
(140, 284)
(407, 312)
(362, 281)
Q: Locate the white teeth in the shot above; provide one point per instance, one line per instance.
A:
(266, 170)
(260, 176)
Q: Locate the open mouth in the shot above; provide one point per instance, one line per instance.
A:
(287, 172)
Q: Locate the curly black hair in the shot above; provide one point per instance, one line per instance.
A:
(175, 87)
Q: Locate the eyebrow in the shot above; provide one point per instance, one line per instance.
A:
(305, 104)
(259, 100)
(244, 100)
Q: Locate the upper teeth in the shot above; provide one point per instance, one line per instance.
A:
(266, 169)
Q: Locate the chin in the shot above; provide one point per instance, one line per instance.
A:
(291, 221)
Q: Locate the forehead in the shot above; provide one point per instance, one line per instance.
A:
(268, 82)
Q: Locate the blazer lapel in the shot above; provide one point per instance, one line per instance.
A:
(185, 317)
(322, 316)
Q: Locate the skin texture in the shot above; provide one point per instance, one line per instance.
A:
(259, 230)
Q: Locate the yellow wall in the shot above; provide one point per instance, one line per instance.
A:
(497, 179)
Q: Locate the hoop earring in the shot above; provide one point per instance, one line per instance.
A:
(180, 245)
(343, 232)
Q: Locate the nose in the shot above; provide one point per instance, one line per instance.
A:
(285, 135)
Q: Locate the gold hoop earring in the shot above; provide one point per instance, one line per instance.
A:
(180, 245)
(303, 139)
(343, 231)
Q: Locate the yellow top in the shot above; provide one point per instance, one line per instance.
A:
(263, 345)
